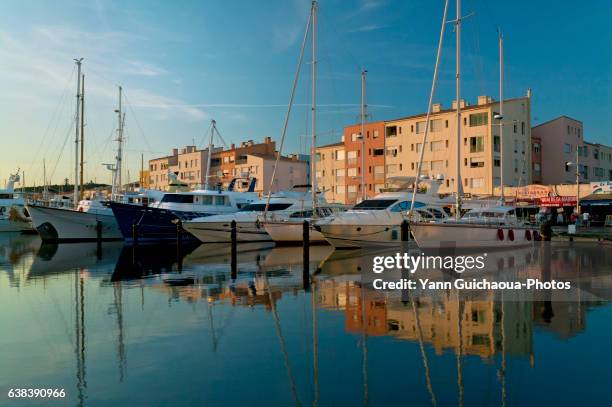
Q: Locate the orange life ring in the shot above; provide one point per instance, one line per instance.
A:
(500, 234)
(511, 235)
(528, 235)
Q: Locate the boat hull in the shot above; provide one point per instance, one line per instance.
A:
(212, 232)
(466, 236)
(292, 233)
(65, 225)
(343, 236)
(152, 224)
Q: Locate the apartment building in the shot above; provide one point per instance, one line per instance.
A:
(330, 169)
(562, 141)
(223, 163)
(291, 171)
(189, 164)
(374, 152)
(480, 146)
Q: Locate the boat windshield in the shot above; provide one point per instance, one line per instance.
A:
(260, 207)
(177, 198)
(375, 204)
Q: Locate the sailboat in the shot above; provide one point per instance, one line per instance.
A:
(87, 219)
(285, 229)
(494, 227)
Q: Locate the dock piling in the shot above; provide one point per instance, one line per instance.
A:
(404, 231)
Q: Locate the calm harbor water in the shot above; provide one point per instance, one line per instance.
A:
(161, 326)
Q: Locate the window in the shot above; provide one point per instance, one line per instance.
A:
(496, 162)
(567, 148)
(437, 165)
(375, 134)
(523, 128)
(437, 145)
(402, 206)
(496, 144)
(379, 173)
(392, 151)
(352, 157)
(391, 131)
(378, 152)
(420, 127)
(536, 168)
(446, 124)
(476, 144)
(596, 154)
(355, 137)
(515, 145)
(351, 172)
(585, 150)
(177, 198)
(515, 128)
(478, 182)
(536, 147)
(339, 155)
(479, 119)
(374, 204)
(435, 125)
(516, 165)
(476, 163)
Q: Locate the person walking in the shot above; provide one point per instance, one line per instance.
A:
(586, 219)
(560, 219)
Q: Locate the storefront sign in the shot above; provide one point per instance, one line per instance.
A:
(604, 187)
(533, 192)
(557, 201)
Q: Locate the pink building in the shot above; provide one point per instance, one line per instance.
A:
(561, 140)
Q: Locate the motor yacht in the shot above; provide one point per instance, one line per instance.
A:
(13, 216)
(296, 203)
(377, 221)
(159, 222)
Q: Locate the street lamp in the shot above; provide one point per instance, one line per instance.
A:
(499, 117)
(577, 164)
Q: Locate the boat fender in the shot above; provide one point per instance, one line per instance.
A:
(528, 235)
(80, 209)
(536, 235)
(500, 234)
(511, 235)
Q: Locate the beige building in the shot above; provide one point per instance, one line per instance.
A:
(562, 140)
(188, 163)
(331, 171)
(290, 171)
(480, 147)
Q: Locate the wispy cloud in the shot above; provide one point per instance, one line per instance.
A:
(44, 55)
(365, 6)
(367, 28)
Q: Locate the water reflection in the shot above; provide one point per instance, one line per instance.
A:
(164, 314)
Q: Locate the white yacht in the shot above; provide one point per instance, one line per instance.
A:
(290, 230)
(13, 216)
(494, 227)
(283, 205)
(158, 222)
(377, 221)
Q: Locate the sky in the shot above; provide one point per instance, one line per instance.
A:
(182, 64)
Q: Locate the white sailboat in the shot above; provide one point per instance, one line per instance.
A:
(494, 227)
(13, 217)
(87, 220)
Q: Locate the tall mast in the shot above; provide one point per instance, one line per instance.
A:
(75, 198)
(82, 189)
(313, 147)
(458, 90)
(364, 193)
(213, 126)
(121, 118)
(501, 113)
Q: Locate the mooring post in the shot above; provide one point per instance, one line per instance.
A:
(134, 233)
(234, 259)
(404, 231)
(179, 231)
(306, 254)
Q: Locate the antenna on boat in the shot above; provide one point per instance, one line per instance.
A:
(82, 189)
(118, 167)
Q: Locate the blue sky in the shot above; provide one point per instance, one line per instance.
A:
(184, 63)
